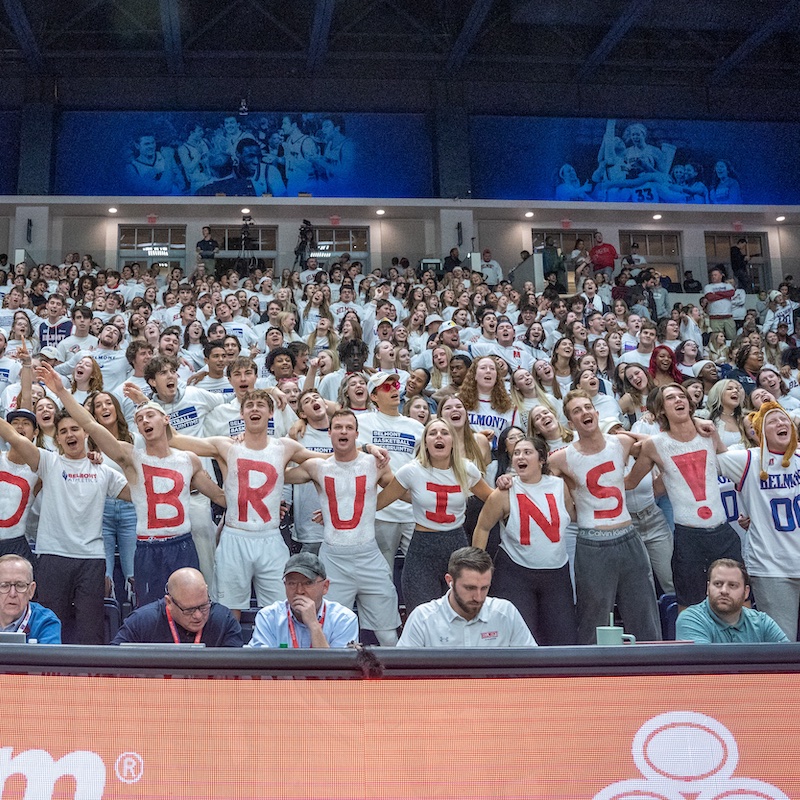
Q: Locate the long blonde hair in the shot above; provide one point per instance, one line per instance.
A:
(472, 452)
(457, 460)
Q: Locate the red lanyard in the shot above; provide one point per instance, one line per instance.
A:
(291, 622)
(24, 625)
(174, 630)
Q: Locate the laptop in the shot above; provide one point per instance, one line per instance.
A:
(13, 637)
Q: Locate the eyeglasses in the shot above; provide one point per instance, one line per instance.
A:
(300, 584)
(190, 612)
(388, 386)
(20, 586)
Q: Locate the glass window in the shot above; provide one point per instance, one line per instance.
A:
(718, 251)
(127, 238)
(660, 249)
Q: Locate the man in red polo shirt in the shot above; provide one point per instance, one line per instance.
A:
(603, 257)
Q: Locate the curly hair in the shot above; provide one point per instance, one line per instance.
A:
(499, 399)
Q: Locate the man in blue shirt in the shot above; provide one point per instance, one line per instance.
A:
(305, 618)
(722, 617)
(17, 612)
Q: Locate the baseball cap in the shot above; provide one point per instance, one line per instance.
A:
(306, 564)
(50, 352)
(22, 413)
(4, 333)
(387, 321)
(608, 424)
(774, 295)
(379, 378)
(149, 404)
(448, 326)
(431, 318)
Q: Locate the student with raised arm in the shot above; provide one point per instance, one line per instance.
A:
(687, 460)
(160, 480)
(71, 568)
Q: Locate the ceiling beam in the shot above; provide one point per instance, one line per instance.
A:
(320, 31)
(626, 20)
(171, 33)
(24, 33)
(469, 33)
(775, 24)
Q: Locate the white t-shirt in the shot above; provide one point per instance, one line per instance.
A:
(254, 486)
(487, 418)
(437, 500)
(690, 478)
(306, 501)
(399, 435)
(17, 482)
(347, 495)
(533, 537)
(772, 547)
(161, 494)
(599, 486)
(73, 500)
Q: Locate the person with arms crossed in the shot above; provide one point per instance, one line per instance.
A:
(18, 612)
(347, 489)
(466, 616)
(723, 618)
(305, 619)
(185, 615)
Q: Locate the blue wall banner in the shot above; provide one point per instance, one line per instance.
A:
(9, 147)
(635, 161)
(278, 154)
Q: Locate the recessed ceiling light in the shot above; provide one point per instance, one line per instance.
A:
(112, 210)
(780, 219)
(380, 212)
(529, 214)
(656, 216)
(245, 211)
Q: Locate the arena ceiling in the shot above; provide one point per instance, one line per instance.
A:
(562, 52)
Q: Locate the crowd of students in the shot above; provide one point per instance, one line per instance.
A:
(470, 395)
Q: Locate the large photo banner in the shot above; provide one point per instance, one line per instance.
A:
(635, 161)
(278, 154)
(668, 737)
(9, 148)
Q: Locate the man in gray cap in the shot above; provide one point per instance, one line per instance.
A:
(305, 618)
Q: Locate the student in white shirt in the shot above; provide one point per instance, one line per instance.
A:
(439, 480)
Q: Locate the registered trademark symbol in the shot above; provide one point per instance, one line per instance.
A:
(129, 767)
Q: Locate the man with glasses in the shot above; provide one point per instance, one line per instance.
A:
(185, 615)
(305, 619)
(17, 612)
